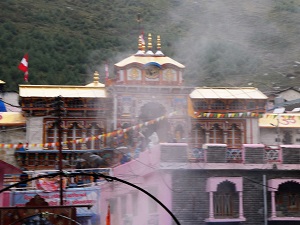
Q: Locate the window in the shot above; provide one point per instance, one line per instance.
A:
(225, 195)
(288, 197)
(223, 204)
(198, 136)
(94, 131)
(251, 106)
(39, 104)
(75, 103)
(236, 105)
(218, 105)
(223, 200)
(198, 105)
(216, 134)
(74, 133)
(52, 134)
(234, 138)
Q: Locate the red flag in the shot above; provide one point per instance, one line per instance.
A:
(23, 66)
(108, 216)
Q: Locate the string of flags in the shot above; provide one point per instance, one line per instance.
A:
(84, 140)
(229, 115)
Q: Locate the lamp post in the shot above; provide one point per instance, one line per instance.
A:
(58, 110)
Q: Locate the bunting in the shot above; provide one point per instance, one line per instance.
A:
(226, 115)
(111, 134)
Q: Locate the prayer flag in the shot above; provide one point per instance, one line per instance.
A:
(23, 66)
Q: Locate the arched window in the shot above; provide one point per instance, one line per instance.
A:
(198, 136)
(288, 198)
(52, 135)
(216, 134)
(74, 133)
(93, 132)
(226, 200)
(234, 137)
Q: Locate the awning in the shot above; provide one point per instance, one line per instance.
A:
(227, 93)
(65, 91)
(12, 119)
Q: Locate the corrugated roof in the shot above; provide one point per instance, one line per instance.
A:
(62, 90)
(227, 93)
(146, 59)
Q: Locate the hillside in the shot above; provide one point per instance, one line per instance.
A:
(222, 44)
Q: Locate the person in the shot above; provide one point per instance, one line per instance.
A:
(20, 147)
(23, 177)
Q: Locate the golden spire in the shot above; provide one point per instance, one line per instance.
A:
(96, 78)
(158, 47)
(141, 46)
(140, 43)
(149, 42)
(149, 52)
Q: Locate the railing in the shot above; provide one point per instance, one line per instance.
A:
(196, 155)
(73, 182)
(234, 155)
(272, 154)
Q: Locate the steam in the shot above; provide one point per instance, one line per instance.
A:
(238, 37)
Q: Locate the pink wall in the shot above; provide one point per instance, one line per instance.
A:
(144, 173)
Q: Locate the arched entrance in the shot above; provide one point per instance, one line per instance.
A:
(150, 111)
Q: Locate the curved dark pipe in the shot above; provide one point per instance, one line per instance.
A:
(96, 175)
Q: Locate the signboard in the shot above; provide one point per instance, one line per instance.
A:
(288, 120)
(72, 197)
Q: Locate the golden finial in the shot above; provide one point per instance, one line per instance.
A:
(96, 77)
(149, 42)
(140, 43)
(158, 47)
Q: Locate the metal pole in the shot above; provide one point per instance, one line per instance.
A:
(265, 200)
(60, 156)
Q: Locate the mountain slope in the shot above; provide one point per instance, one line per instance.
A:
(221, 43)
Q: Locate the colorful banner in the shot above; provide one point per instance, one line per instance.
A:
(287, 120)
(74, 196)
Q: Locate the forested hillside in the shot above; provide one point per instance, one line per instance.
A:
(221, 42)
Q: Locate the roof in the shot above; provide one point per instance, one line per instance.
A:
(227, 93)
(67, 91)
(281, 120)
(11, 119)
(146, 59)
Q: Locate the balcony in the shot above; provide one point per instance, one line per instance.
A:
(219, 153)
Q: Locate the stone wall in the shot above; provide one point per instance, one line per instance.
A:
(11, 135)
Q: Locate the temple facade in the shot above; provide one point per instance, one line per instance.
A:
(199, 150)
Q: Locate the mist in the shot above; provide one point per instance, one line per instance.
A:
(223, 38)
